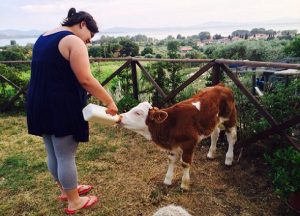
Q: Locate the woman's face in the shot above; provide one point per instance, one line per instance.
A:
(85, 34)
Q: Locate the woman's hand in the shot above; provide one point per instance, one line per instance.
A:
(112, 109)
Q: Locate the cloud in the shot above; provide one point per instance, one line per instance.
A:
(44, 14)
(39, 8)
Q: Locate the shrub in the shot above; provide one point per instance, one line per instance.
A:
(250, 50)
(7, 91)
(293, 47)
(276, 102)
(285, 170)
(126, 103)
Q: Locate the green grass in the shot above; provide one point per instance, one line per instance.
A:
(17, 172)
(23, 170)
(102, 70)
(99, 151)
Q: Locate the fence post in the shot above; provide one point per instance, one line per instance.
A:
(134, 80)
(253, 83)
(216, 74)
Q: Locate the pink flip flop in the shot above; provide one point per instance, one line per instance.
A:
(87, 204)
(82, 189)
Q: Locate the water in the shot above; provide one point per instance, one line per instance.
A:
(19, 41)
(223, 30)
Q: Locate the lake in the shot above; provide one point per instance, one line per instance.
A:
(223, 30)
(19, 41)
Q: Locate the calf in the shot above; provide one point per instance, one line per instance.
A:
(180, 127)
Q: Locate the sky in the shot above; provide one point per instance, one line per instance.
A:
(48, 14)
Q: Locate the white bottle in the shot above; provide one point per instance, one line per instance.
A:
(96, 113)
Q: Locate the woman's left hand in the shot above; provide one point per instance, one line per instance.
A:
(112, 109)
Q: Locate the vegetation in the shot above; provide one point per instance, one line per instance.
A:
(275, 101)
(293, 47)
(18, 74)
(248, 50)
(126, 103)
(285, 172)
(16, 52)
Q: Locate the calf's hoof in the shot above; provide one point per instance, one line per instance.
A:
(228, 161)
(167, 181)
(211, 155)
(185, 186)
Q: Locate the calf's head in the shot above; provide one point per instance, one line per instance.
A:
(135, 119)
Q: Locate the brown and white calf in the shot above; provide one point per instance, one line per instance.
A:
(180, 127)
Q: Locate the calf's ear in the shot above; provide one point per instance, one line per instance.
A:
(159, 116)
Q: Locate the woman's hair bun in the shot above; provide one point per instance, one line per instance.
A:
(71, 12)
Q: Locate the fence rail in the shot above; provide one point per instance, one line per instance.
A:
(219, 61)
(218, 66)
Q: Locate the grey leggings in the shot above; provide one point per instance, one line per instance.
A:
(61, 159)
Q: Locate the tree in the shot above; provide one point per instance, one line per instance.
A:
(293, 47)
(289, 32)
(194, 54)
(240, 32)
(173, 68)
(180, 37)
(13, 42)
(251, 50)
(160, 78)
(210, 51)
(170, 37)
(271, 32)
(173, 47)
(204, 36)
(129, 48)
(258, 31)
(95, 51)
(14, 53)
(140, 38)
(217, 36)
(115, 47)
(147, 50)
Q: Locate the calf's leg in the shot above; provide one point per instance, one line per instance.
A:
(185, 181)
(231, 138)
(186, 162)
(213, 144)
(172, 160)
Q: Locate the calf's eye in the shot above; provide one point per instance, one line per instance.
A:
(138, 113)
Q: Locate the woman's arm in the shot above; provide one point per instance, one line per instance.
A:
(76, 52)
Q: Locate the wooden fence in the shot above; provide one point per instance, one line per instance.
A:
(217, 67)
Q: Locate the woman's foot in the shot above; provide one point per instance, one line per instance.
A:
(82, 189)
(81, 203)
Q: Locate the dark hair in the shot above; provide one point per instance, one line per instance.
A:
(74, 18)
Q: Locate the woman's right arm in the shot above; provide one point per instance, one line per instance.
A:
(74, 50)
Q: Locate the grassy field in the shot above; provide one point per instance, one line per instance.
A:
(127, 174)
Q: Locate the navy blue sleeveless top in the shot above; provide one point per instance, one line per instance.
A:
(55, 98)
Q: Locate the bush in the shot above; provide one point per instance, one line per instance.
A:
(7, 91)
(285, 170)
(293, 47)
(283, 103)
(281, 106)
(251, 50)
(126, 103)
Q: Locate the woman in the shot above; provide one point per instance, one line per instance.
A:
(60, 80)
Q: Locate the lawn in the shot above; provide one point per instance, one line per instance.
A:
(127, 173)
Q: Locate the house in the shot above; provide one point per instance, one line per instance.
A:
(185, 49)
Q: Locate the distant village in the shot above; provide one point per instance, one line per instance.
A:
(239, 35)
